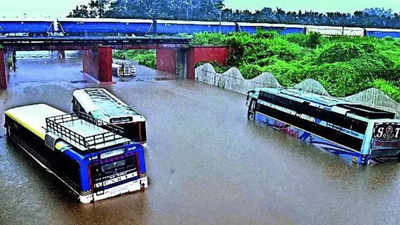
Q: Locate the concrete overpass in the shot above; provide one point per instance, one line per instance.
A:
(174, 54)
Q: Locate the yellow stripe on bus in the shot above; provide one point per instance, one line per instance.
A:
(58, 146)
(37, 133)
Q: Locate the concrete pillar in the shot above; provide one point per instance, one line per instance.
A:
(172, 61)
(3, 69)
(61, 54)
(105, 64)
(181, 63)
(14, 61)
(166, 60)
(97, 63)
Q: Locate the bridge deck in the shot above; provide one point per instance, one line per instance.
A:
(86, 42)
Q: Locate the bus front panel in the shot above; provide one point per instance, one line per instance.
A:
(118, 171)
(385, 141)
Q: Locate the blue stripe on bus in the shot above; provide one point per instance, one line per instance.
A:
(142, 164)
(83, 168)
(84, 175)
(74, 155)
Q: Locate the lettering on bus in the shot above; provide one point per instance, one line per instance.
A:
(387, 131)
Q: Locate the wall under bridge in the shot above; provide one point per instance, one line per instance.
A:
(3, 69)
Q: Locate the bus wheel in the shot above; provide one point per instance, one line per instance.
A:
(251, 111)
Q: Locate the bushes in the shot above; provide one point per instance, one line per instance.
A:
(248, 49)
(9, 63)
(143, 57)
(389, 88)
(265, 34)
(313, 40)
(205, 38)
(119, 54)
(344, 65)
(148, 60)
(249, 71)
(340, 52)
(287, 73)
(342, 79)
(299, 39)
(217, 66)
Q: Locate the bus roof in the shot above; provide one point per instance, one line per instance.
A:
(335, 104)
(33, 117)
(102, 104)
(85, 135)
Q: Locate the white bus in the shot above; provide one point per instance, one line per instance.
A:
(92, 158)
(102, 105)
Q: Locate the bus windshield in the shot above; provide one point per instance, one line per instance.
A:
(108, 174)
(386, 140)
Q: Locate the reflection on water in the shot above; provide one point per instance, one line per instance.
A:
(207, 163)
(45, 54)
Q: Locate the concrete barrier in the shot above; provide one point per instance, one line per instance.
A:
(233, 80)
(313, 86)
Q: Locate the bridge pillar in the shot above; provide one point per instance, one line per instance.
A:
(172, 61)
(3, 69)
(14, 61)
(198, 54)
(61, 54)
(97, 63)
(166, 60)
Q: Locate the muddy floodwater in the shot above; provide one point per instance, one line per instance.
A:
(206, 162)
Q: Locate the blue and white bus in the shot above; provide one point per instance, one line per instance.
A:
(358, 133)
(102, 105)
(92, 158)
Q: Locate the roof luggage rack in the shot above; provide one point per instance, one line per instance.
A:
(84, 132)
(100, 94)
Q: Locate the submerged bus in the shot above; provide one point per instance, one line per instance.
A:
(358, 133)
(102, 105)
(90, 157)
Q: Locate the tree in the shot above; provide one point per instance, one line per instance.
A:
(211, 10)
(80, 11)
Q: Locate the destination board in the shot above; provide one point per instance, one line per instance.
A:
(387, 131)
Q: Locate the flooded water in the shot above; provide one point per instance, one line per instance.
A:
(206, 162)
